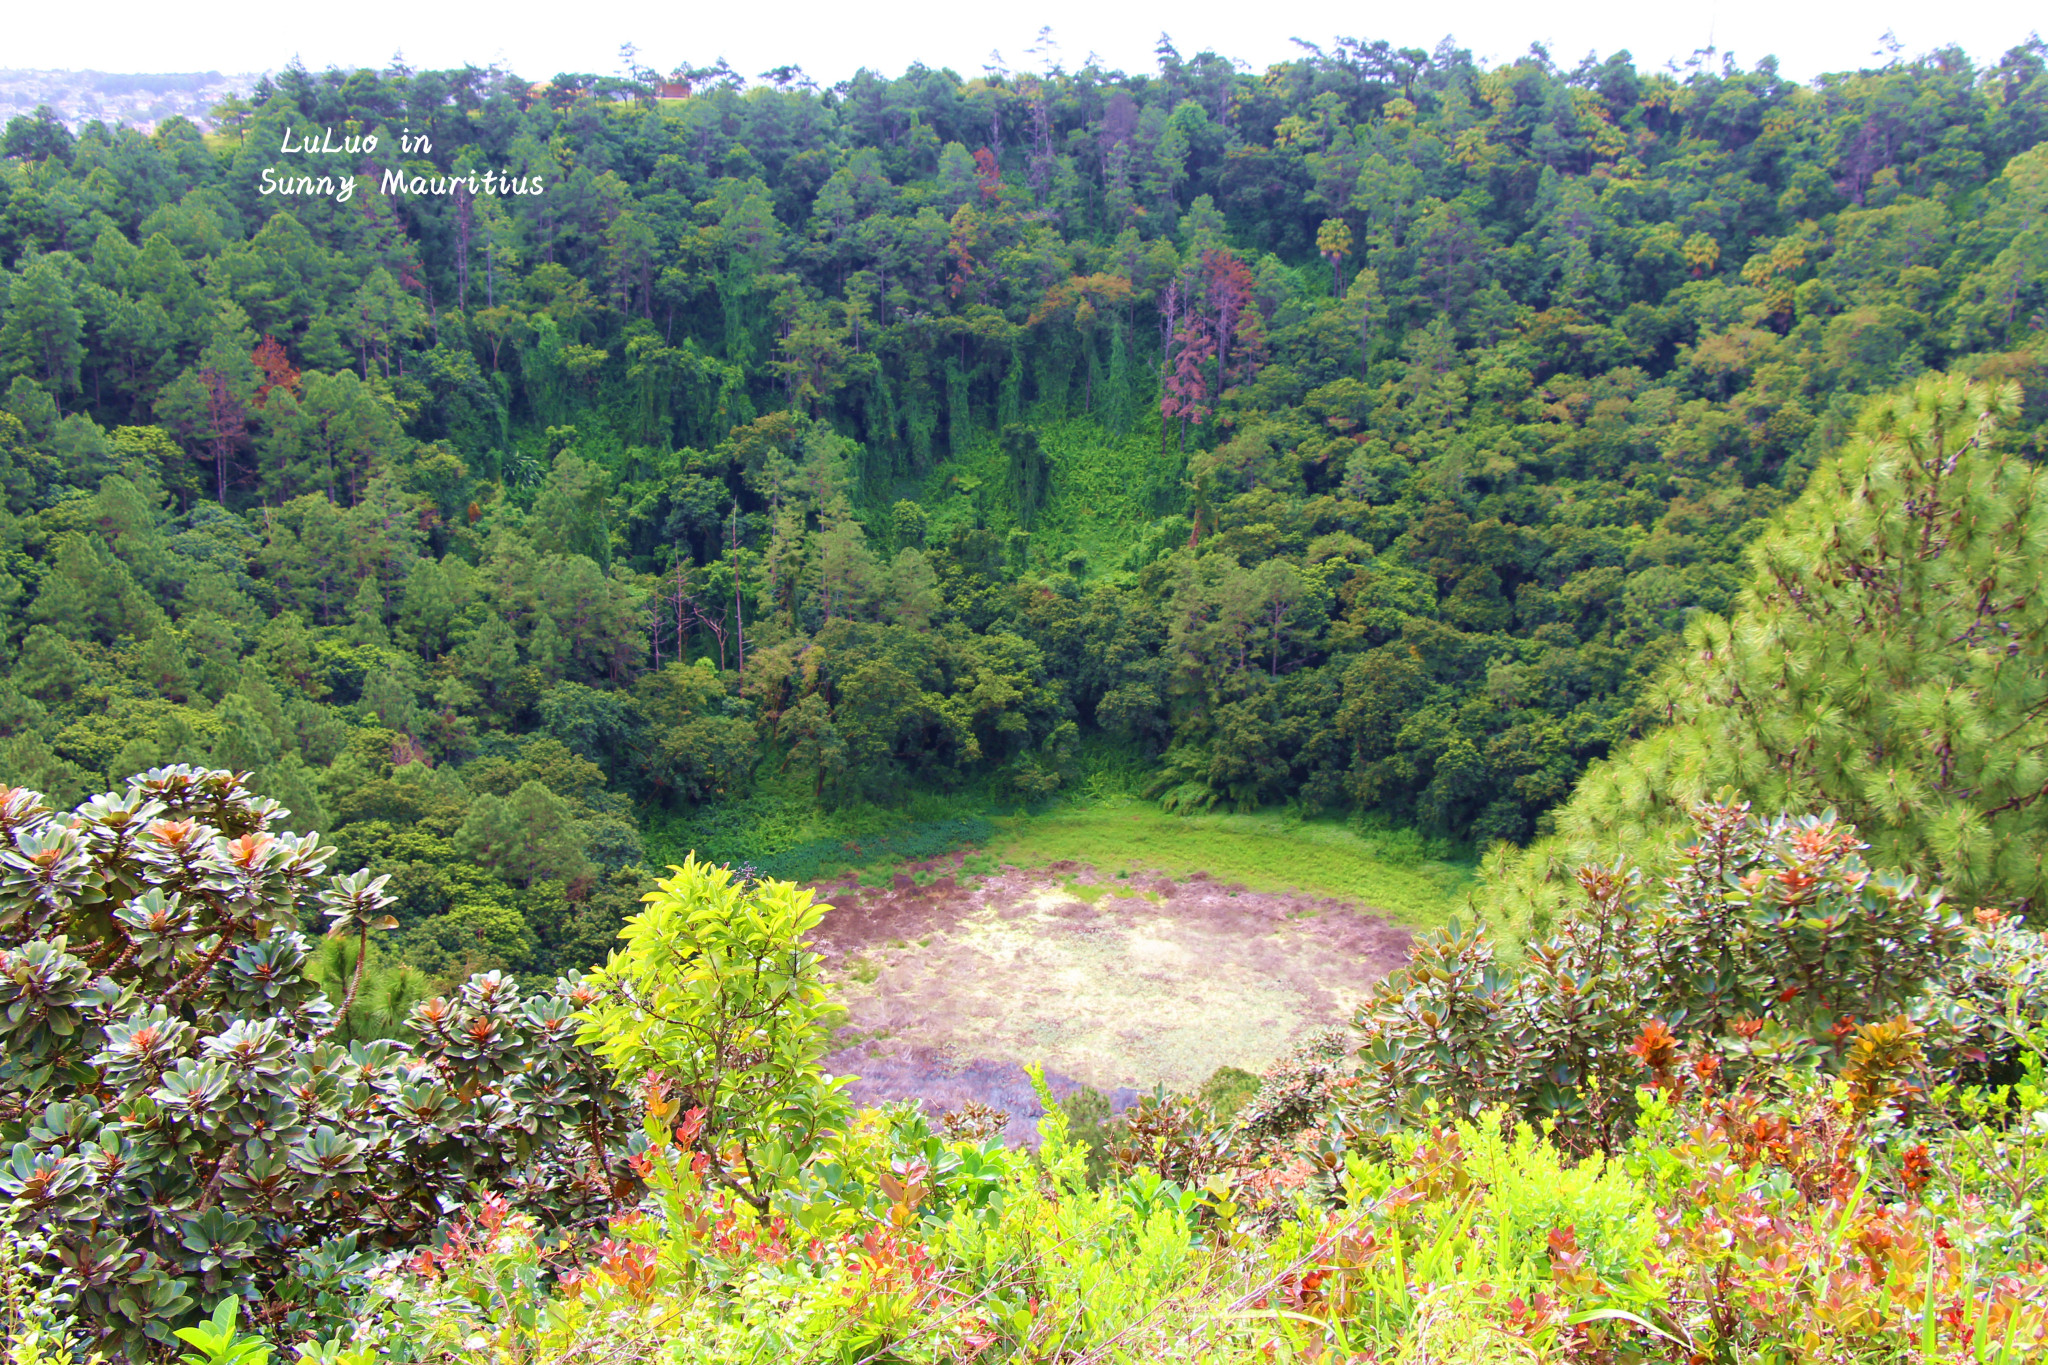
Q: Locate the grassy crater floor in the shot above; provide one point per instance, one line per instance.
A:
(1112, 974)
(1393, 870)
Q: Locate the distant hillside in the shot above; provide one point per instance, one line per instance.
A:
(139, 101)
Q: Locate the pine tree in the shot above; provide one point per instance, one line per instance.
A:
(547, 649)
(1889, 659)
(366, 616)
(43, 331)
(490, 659)
(436, 591)
(255, 687)
(11, 595)
(243, 741)
(127, 521)
(88, 594)
(288, 779)
(285, 648)
(524, 838)
(49, 668)
(162, 667)
(489, 837)
(389, 696)
(548, 847)
(138, 755)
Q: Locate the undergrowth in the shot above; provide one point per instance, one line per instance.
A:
(780, 831)
(1105, 490)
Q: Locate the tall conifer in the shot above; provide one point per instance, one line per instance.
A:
(1889, 659)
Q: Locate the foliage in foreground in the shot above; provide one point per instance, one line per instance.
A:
(1772, 934)
(186, 1119)
(1764, 1223)
(1753, 1176)
(1742, 1172)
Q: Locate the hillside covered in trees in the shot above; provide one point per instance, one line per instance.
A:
(1635, 474)
(1359, 434)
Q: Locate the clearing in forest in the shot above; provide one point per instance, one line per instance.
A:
(1116, 982)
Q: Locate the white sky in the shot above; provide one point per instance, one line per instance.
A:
(830, 39)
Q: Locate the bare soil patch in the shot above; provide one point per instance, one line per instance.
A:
(1116, 983)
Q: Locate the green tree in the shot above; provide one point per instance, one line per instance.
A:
(527, 837)
(470, 936)
(697, 746)
(436, 594)
(908, 522)
(380, 318)
(43, 332)
(243, 743)
(130, 526)
(49, 666)
(572, 516)
(1029, 470)
(1884, 661)
(389, 695)
(88, 594)
(490, 659)
(718, 994)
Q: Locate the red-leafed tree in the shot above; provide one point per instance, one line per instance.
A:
(960, 248)
(989, 174)
(1240, 329)
(1210, 344)
(1185, 394)
(278, 371)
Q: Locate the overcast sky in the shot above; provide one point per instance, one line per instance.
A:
(832, 40)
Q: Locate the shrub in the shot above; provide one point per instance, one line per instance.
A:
(1092, 1127)
(1989, 997)
(1776, 924)
(185, 1121)
(1174, 1135)
(1227, 1090)
(716, 1000)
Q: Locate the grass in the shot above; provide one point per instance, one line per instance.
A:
(1269, 851)
(782, 832)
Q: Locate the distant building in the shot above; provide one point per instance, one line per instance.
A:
(121, 99)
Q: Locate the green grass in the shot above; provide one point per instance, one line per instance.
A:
(781, 832)
(1388, 870)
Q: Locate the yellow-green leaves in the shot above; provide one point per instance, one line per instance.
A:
(716, 998)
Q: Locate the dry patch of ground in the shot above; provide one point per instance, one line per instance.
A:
(1120, 983)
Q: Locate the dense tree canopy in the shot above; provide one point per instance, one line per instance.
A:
(1363, 432)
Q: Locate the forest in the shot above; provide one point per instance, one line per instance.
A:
(528, 486)
(1359, 435)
